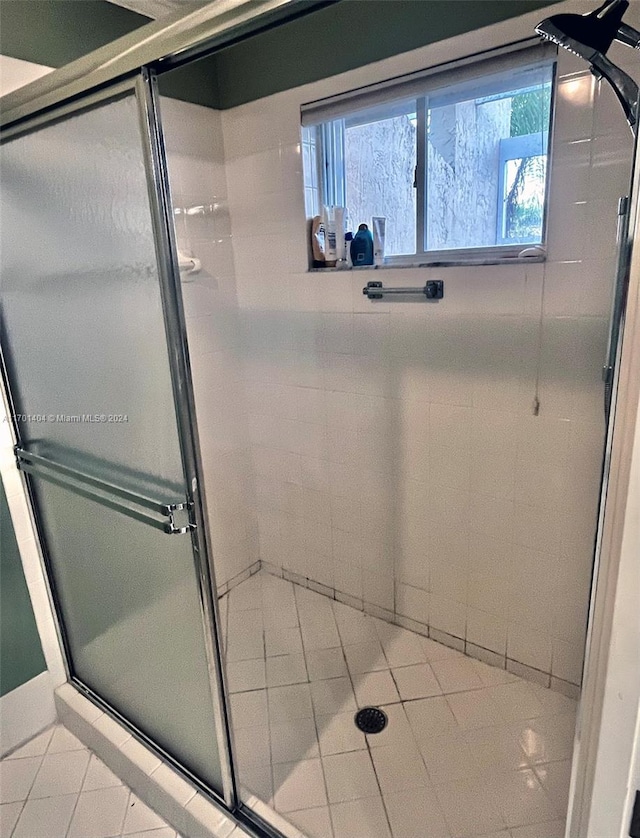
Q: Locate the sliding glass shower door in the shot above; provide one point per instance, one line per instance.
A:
(98, 374)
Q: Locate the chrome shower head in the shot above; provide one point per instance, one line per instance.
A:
(587, 34)
(589, 37)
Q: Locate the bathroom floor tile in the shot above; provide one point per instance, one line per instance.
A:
(9, 813)
(286, 669)
(293, 740)
(417, 681)
(362, 818)
(16, 778)
(410, 811)
(399, 768)
(456, 674)
(100, 813)
(350, 776)
(34, 747)
(48, 817)
(375, 688)
(326, 663)
(314, 823)
(243, 676)
(139, 817)
(470, 749)
(333, 696)
(338, 734)
(298, 785)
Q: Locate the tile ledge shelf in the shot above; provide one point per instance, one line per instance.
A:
(436, 263)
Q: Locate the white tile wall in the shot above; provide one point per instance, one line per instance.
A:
(195, 154)
(396, 454)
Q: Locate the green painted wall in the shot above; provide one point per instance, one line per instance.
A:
(21, 655)
(346, 35)
(331, 40)
(55, 32)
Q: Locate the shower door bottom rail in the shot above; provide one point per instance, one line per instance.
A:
(156, 513)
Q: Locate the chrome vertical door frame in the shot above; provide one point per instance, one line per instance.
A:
(184, 400)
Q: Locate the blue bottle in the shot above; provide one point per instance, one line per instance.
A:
(362, 247)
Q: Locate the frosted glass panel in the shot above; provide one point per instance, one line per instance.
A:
(130, 603)
(81, 301)
(84, 336)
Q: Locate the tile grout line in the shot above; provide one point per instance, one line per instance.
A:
(24, 802)
(126, 812)
(368, 745)
(84, 777)
(315, 720)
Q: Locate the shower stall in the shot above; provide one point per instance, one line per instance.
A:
(265, 501)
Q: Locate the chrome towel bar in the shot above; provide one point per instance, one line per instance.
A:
(432, 290)
(129, 503)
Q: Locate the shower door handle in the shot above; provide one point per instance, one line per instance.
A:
(139, 506)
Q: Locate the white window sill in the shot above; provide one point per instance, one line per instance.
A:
(439, 263)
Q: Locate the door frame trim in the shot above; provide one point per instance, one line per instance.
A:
(184, 401)
(142, 85)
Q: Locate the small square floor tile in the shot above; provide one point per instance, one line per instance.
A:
(100, 813)
(98, 776)
(333, 696)
(286, 669)
(63, 740)
(338, 734)
(397, 732)
(365, 657)
(298, 785)
(375, 688)
(34, 747)
(326, 663)
(456, 674)
(9, 813)
(289, 703)
(474, 709)
(16, 778)
(399, 768)
(139, 817)
(350, 776)
(467, 809)
(46, 818)
(417, 681)
(246, 675)
(410, 812)
(520, 798)
(294, 740)
(430, 717)
(314, 823)
(362, 818)
(61, 773)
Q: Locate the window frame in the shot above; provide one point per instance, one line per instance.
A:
(330, 150)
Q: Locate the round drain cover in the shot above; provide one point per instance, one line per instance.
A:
(371, 720)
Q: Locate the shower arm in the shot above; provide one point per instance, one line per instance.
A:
(625, 88)
(628, 36)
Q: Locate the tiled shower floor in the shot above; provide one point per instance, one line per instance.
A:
(469, 750)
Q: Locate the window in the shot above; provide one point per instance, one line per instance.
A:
(456, 161)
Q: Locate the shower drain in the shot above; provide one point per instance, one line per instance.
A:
(371, 720)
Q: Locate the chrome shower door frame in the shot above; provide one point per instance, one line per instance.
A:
(143, 85)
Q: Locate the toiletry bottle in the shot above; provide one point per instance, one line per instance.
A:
(379, 228)
(348, 238)
(362, 247)
(330, 252)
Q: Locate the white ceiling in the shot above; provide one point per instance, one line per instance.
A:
(160, 8)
